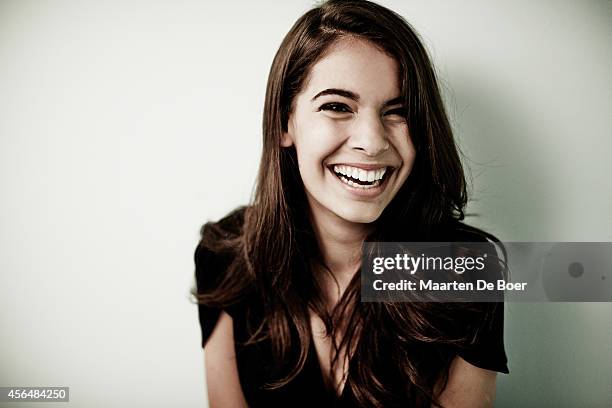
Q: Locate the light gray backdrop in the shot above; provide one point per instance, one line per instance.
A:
(124, 125)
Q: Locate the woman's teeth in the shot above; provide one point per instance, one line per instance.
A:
(359, 178)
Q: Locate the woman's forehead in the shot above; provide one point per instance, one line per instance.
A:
(358, 66)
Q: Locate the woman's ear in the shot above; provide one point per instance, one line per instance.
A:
(286, 139)
(287, 135)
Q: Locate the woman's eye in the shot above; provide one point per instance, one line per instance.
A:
(396, 112)
(335, 107)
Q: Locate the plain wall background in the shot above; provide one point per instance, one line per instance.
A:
(125, 125)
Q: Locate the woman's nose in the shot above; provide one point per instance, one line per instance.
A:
(369, 135)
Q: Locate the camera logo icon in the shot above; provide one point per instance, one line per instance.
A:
(578, 272)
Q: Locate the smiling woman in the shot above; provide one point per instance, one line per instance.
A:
(349, 129)
(357, 147)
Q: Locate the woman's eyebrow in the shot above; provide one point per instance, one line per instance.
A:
(339, 92)
(395, 101)
(352, 95)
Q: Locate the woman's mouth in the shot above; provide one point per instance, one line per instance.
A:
(360, 178)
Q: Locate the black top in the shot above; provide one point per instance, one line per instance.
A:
(307, 389)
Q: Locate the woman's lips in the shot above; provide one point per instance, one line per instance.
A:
(363, 182)
(358, 175)
(364, 166)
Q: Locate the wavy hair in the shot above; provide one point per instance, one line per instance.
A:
(274, 246)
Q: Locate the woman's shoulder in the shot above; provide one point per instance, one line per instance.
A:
(221, 283)
(227, 228)
(486, 319)
(219, 243)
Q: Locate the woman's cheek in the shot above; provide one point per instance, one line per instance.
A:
(328, 137)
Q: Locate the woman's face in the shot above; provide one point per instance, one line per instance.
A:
(347, 125)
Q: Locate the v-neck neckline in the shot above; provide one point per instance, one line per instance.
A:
(316, 367)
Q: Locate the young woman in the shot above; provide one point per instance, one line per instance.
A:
(357, 147)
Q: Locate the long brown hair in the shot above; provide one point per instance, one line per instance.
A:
(274, 246)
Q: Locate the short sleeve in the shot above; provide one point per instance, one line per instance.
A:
(209, 269)
(488, 351)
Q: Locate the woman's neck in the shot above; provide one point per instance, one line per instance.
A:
(340, 243)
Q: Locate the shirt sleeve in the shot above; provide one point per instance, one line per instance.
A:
(209, 268)
(487, 350)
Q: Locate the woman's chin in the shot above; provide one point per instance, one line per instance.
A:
(359, 215)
